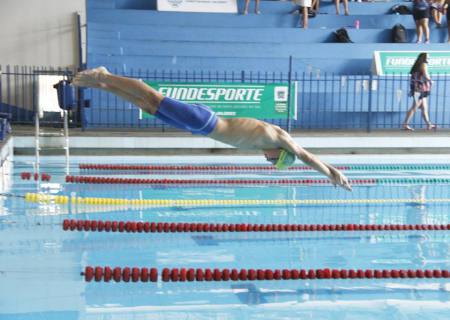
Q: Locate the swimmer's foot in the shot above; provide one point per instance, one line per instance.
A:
(407, 128)
(92, 78)
(431, 127)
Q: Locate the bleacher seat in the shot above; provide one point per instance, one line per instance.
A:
(126, 38)
(131, 37)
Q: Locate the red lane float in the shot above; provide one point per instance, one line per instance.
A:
(118, 274)
(190, 168)
(136, 274)
(179, 227)
(25, 175)
(28, 175)
(111, 180)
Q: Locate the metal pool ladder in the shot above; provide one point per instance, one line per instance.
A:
(62, 135)
(58, 111)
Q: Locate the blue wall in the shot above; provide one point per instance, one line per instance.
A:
(130, 34)
(131, 37)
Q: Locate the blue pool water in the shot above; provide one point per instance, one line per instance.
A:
(40, 264)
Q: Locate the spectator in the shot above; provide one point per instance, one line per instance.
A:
(303, 7)
(247, 3)
(337, 4)
(446, 8)
(421, 15)
(437, 10)
(420, 86)
(316, 6)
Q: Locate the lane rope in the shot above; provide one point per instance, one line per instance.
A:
(193, 168)
(190, 168)
(12, 195)
(182, 227)
(29, 175)
(137, 274)
(57, 199)
(265, 182)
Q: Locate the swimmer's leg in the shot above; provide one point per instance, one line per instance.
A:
(132, 90)
(195, 118)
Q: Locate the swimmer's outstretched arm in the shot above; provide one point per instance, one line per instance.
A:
(247, 133)
(335, 176)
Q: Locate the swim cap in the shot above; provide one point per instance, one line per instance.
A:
(285, 160)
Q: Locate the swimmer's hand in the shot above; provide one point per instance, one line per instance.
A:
(91, 78)
(338, 179)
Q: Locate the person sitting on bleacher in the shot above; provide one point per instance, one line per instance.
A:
(305, 8)
(437, 9)
(247, 3)
(337, 3)
(447, 8)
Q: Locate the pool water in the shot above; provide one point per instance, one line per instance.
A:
(40, 263)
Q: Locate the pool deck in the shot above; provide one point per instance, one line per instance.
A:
(146, 142)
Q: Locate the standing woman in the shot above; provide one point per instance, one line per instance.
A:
(421, 15)
(420, 86)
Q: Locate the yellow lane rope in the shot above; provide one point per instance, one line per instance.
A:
(46, 198)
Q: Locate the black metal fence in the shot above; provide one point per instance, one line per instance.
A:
(324, 101)
(18, 90)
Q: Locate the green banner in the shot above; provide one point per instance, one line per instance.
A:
(400, 62)
(230, 100)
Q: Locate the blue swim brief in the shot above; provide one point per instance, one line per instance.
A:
(196, 118)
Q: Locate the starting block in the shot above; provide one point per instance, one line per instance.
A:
(66, 94)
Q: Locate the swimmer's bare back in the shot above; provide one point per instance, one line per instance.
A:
(248, 133)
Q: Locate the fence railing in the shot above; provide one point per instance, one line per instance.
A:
(18, 90)
(324, 101)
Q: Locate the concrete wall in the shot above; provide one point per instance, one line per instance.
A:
(39, 32)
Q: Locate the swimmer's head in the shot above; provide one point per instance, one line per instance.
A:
(280, 158)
